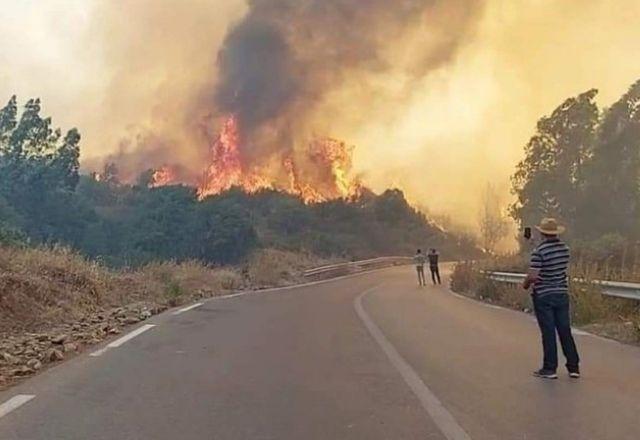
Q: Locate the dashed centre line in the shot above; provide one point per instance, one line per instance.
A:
(14, 403)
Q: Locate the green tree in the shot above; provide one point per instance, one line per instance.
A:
(39, 171)
(550, 180)
(613, 197)
(226, 234)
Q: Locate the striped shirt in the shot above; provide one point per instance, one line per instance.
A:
(551, 259)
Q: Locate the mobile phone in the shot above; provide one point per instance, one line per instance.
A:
(527, 233)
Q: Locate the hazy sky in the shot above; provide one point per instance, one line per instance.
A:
(112, 67)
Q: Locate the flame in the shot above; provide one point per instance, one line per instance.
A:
(322, 172)
(226, 168)
(163, 176)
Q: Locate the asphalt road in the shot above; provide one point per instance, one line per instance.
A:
(368, 357)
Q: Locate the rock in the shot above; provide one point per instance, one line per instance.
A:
(42, 338)
(54, 355)
(9, 359)
(59, 339)
(145, 314)
(69, 347)
(114, 331)
(34, 364)
(22, 371)
(131, 320)
(30, 353)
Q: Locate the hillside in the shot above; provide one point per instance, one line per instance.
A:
(45, 200)
(131, 225)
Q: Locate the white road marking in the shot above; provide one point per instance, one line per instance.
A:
(186, 309)
(439, 414)
(14, 403)
(577, 331)
(99, 352)
(118, 342)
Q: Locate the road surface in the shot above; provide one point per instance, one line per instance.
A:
(367, 357)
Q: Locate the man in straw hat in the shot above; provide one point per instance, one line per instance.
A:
(548, 276)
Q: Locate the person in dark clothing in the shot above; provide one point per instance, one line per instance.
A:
(433, 265)
(548, 276)
(419, 261)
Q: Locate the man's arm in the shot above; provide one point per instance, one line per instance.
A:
(530, 279)
(534, 270)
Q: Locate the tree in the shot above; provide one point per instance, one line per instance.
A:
(226, 232)
(39, 170)
(493, 223)
(552, 174)
(613, 198)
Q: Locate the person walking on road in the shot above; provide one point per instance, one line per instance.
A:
(548, 276)
(433, 265)
(419, 261)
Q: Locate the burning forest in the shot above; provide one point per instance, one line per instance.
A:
(326, 163)
(285, 87)
(321, 172)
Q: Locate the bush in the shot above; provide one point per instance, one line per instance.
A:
(11, 236)
(464, 278)
(270, 267)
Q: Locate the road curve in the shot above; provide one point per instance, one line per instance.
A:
(367, 357)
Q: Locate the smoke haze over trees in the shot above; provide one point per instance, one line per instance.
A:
(44, 200)
(583, 167)
(142, 80)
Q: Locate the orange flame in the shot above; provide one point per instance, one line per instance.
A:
(226, 168)
(163, 176)
(322, 172)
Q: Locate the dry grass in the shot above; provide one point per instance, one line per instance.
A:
(41, 288)
(271, 267)
(468, 279)
(615, 318)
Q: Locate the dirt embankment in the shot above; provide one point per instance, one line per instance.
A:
(54, 303)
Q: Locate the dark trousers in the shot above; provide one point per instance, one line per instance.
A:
(421, 280)
(435, 274)
(552, 312)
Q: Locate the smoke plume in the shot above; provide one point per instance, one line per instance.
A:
(280, 64)
(438, 96)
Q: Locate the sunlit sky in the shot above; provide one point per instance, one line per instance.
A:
(95, 66)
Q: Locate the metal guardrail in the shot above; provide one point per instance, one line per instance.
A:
(355, 266)
(618, 289)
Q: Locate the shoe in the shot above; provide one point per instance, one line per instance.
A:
(545, 374)
(574, 374)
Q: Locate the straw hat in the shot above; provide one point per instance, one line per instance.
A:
(549, 226)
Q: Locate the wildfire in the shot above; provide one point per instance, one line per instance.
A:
(162, 177)
(226, 169)
(321, 172)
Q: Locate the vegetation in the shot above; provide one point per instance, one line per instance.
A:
(44, 200)
(582, 166)
(611, 317)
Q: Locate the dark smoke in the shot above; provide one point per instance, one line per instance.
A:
(284, 56)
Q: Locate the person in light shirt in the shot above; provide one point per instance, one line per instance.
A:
(419, 261)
